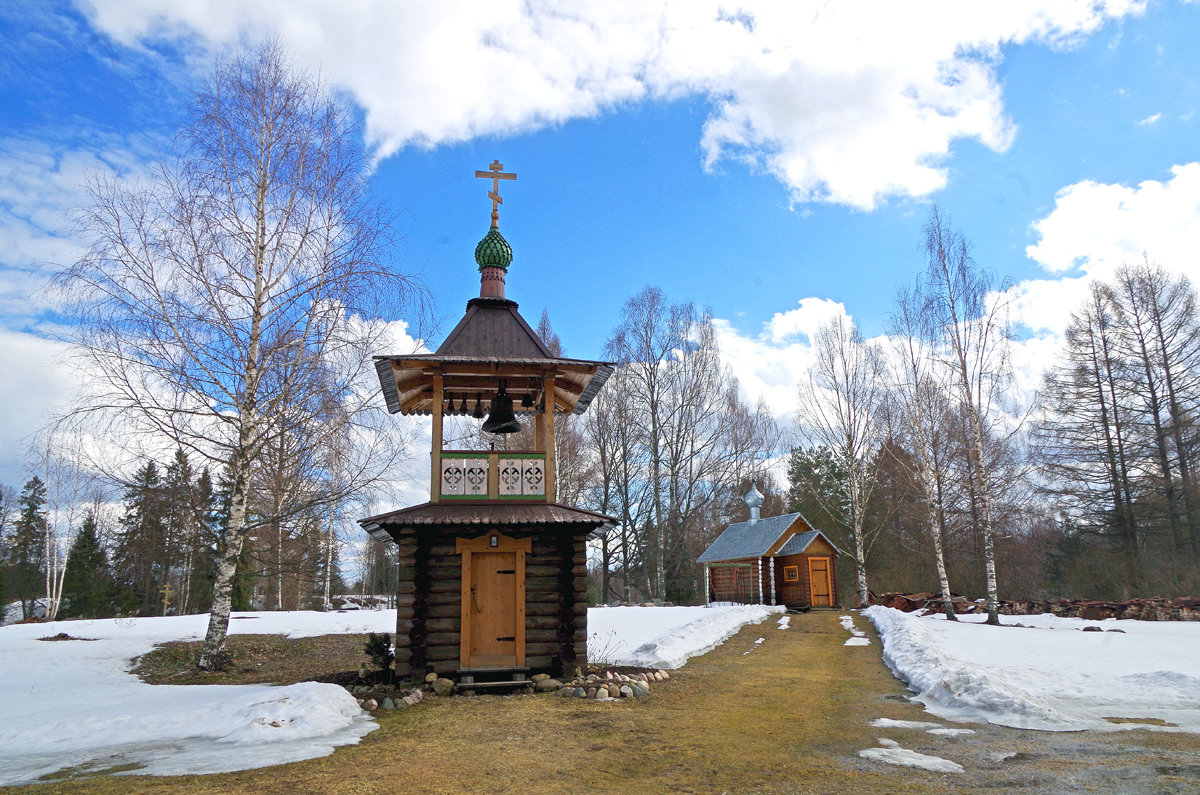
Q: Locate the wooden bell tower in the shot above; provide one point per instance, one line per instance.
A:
(492, 522)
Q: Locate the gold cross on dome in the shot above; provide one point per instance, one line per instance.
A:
(495, 173)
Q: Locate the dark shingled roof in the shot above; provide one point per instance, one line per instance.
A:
(798, 543)
(491, 336)
(752, 539)
(748, 539)
(476, 513)
(493, 327)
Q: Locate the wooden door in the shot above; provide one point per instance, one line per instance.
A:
(820, 581)
(492, 626)
(494, 610)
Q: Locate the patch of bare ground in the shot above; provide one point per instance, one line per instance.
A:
(258, 659)
(63, 636)
(790, 717)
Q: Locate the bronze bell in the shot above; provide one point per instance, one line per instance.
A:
(501, 418)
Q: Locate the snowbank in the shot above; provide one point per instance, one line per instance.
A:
(1048, 674)
(67, 704)
(665, 637)
(71, 704)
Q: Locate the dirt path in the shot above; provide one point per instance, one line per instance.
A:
(785, 715)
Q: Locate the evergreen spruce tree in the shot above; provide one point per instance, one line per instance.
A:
(25, 554)
(242, 596)
(138, 560)
(204, 551)
(87, 583)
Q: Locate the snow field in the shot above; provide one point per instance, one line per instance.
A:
(1047, 674)
(72, 704)
(665, 637)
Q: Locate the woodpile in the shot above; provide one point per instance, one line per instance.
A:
(1157, 609)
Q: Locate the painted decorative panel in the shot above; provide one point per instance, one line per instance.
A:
(510, 477)
(453, 477)
(475, 472)
(533, 477)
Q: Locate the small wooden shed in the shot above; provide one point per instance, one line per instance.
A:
(780, 560)
(493, 570)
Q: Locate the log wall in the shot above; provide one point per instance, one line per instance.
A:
(799, 594)
(429, 597)
(737, 581)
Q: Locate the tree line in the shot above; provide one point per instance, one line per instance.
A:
(157, 553)
(923, 461)
(915, 452)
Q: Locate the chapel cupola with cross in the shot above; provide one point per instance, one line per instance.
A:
(492, 507)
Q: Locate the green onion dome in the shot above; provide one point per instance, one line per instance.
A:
(493, 251)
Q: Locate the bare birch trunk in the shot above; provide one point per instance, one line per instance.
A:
(327, 602)
(213, 656)
(935, 533)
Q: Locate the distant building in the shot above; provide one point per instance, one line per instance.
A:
(780, 560)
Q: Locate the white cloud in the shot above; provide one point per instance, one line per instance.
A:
(35, 382)
(842, 102)
(810, 315)
(1150, 119)
(770, 366)
(1094, 228)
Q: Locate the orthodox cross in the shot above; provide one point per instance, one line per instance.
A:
(495, 173)
(167, 592)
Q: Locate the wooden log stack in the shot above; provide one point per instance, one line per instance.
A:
(1154, 609)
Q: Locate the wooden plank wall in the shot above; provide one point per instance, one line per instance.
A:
(429, 595)
(800, 593)
(726, 584)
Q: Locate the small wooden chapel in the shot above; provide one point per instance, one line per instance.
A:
(492, 575)
(778, 560)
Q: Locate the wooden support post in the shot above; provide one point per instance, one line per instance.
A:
(435, 481)
(758, 568)
(548, 407)
(707, 575)
(493, 475)
(771, 574)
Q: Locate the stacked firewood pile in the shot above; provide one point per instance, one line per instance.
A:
(1157, 609)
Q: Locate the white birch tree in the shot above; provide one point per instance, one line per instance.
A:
(972, 343)
(918, 397)
(838, 410)
(231, 296)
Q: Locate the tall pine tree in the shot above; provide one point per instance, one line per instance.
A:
(138, 561)
(25, 554)
(87, 584)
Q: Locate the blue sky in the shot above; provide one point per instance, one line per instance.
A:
(772, 162)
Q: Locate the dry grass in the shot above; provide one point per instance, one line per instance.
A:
(257, 659)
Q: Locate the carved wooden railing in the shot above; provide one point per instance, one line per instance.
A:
(493, 475)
